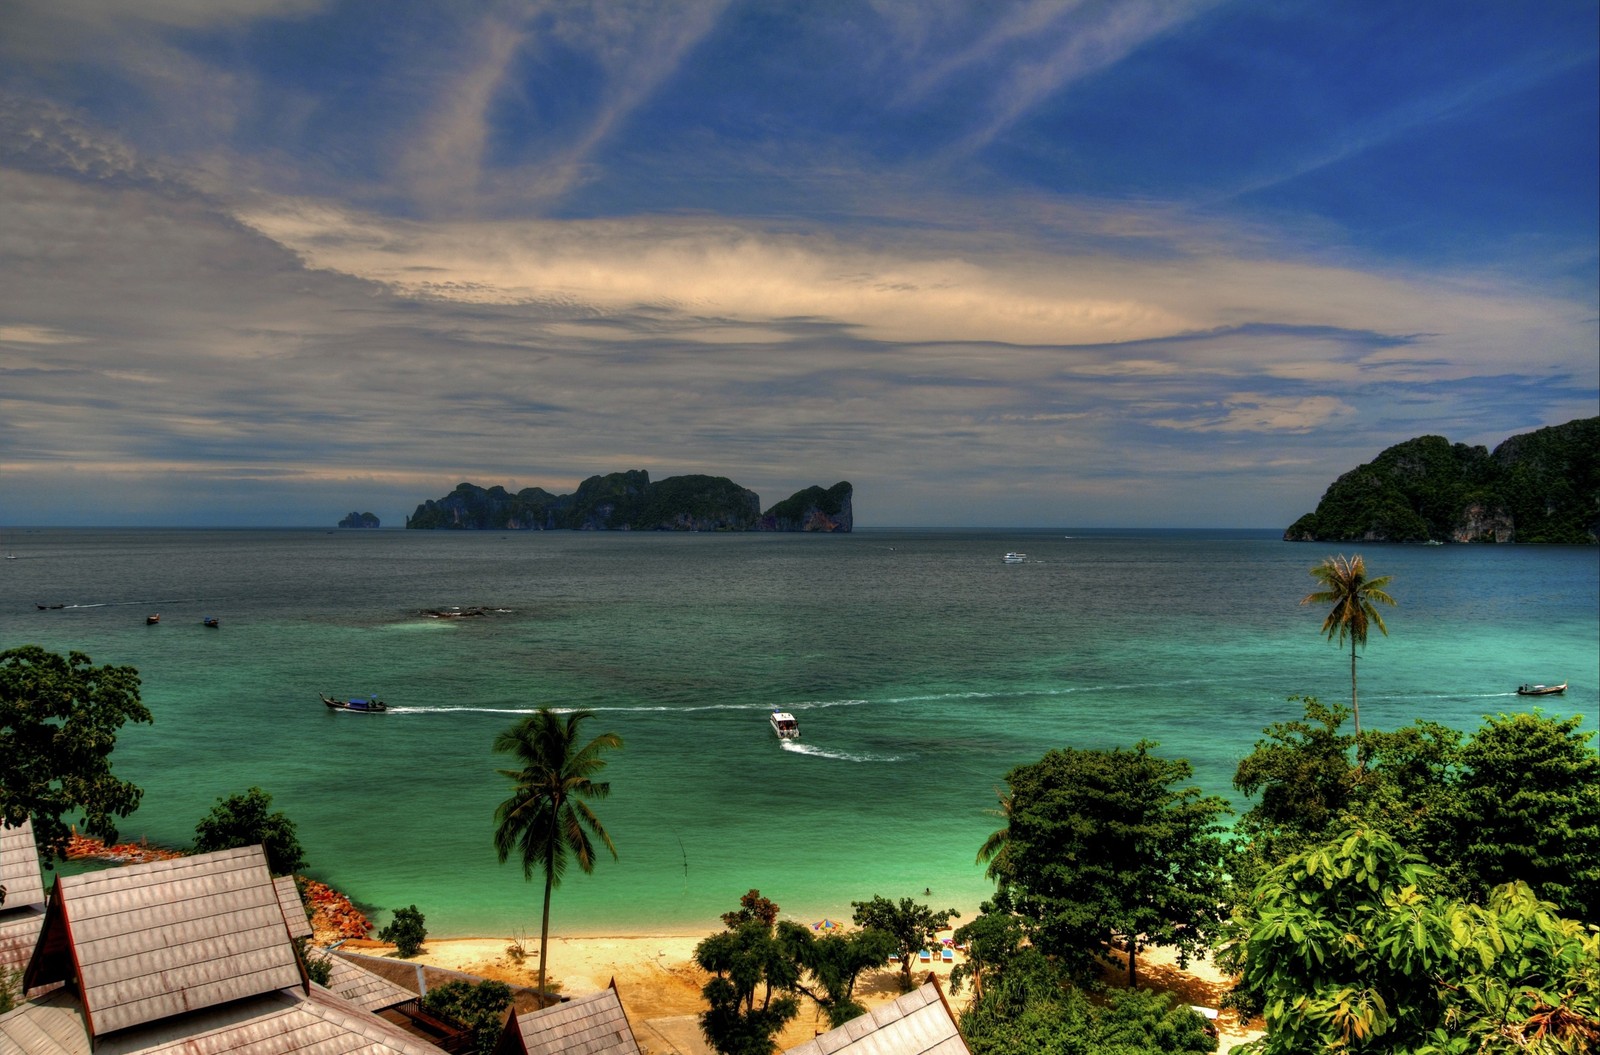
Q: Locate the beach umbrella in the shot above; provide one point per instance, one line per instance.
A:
(826, 924)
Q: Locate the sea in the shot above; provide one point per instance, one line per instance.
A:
(921, 667)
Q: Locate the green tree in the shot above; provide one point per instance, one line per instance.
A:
(547, 819)
(1351, 948)
(1526, 806)
(755, 974)
(1352, 595)
(407, 931)
(834, 962)
(59, 717)
(994, 849)
(479, 1008)
(243, 820)
(1104, 846)
(913, 926)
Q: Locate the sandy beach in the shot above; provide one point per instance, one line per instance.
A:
(660, 984)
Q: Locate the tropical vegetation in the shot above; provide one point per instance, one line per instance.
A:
(59, 721)
(547, 820)
(479, 1008)
(1353, 596)
(406, 930)
(243, 820)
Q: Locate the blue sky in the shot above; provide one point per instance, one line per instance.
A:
(264, 262)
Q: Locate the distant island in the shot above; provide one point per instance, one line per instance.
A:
(359, 520)
(1541, 486)
(629, 501)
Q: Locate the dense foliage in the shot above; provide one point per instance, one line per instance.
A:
(755, 974)
(479, 1008)
(406, 931)
(243, 820)
(1542, 486)
(1106, 846)
(547, 820)
(59, 717)
(1352, 947)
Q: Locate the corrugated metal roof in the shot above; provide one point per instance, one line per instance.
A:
(585, 1025)
(918, 1023)
(361, 987)
(19, 931)
(294, 910)
(19, 867)
(160, 939)
(314, 1023)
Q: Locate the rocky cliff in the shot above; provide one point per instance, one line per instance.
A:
(1541, 486)
(629, 501)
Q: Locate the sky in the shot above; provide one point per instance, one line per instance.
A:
(1142, 263)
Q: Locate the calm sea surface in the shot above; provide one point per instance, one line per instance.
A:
(920, 666)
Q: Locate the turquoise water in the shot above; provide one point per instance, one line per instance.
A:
(920, 666)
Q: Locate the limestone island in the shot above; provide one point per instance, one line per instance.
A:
(359, 520)
(629, 501)
(1541, 486)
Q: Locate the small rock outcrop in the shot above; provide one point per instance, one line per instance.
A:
(1541, 486)
(359, 520)
(630, 501)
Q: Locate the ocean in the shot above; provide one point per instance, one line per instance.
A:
(921, 668)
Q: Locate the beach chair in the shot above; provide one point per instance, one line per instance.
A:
(948, 955)
(924, 956)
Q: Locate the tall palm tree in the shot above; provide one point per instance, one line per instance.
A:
(996, 848)
(547, 819)
(1352, 595)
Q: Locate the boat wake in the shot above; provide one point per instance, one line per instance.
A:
(798, 748)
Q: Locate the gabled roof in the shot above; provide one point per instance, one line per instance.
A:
(19, 867)
(294, 910)
(585, 1025)
(368, 991)
(149, 941)
(310, 1023)
(22, 912)
(918, 1023)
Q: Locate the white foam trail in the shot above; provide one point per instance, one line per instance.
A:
(795, 747)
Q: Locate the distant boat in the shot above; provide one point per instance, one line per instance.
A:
(362, 704)
(784, 724)
(1433, 542)
(1541, 690)
(152, 620)
(211, 621)
(1015, 557)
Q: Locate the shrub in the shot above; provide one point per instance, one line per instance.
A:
(406, 931)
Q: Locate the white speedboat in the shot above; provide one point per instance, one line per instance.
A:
(1015, 557)
(784, 724)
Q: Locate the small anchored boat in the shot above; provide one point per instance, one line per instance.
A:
(152, 620)
(210, 621)
(1541, 690)
(784, 724)
(363, 704)
(1014, 557)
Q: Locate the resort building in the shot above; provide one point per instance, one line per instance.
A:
(918, 1023)
(585, 1025)
(22, 911)
(193, 956)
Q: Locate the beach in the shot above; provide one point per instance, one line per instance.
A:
(659, 982)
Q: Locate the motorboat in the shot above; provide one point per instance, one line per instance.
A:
(785, 725)
(210, 621)
(152, 620)
(361, 704)
(1541, 690)
(1014, 557)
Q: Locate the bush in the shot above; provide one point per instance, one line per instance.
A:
(243, 820)
(479, 1008)
(406, 931)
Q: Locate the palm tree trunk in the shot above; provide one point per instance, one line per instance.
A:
(544, 932)
(1355, 708)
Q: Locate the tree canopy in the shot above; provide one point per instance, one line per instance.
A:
(1107, 846)
(59, 719)
(912, 925)
(755, 974)
(243, 820)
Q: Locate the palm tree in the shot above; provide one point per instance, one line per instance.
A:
(1352, 595)
(995, 850)
(546, 818)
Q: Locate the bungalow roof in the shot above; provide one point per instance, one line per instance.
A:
(19, 867)
(586, 1025)
(918, 1023)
